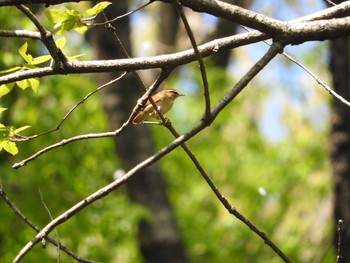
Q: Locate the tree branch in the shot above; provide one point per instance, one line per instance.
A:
(296, 33)
(130, 64)
(207, 116)
(58, 126)
(30, 224)
(30, 2)
(251, 19)
(20, 34)
(47, 39)
(272, 52)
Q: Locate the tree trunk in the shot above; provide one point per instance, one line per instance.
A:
(159, 238)
(340, 141)
(226, 28)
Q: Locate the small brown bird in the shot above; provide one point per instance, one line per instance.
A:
(163, 99)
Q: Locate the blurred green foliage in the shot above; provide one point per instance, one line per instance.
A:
(283, 187)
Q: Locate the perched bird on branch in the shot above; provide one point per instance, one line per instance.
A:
(163, 99)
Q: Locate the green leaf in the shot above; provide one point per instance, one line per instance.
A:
(57, 15)
(10, 147)
(10, 70)
(34, 83)
(61, 42)
(5, 133)
(6, 88)
(73, 14)
(1, 110)
(74, 58)
(23, 52)
(40, 59)
(64, 20)
(68, 25)
(96, 9)
(17, 131)
(81, 29)
(23, 84)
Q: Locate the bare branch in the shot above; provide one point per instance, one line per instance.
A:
(27, 138)
(30, 224)
(131, 64)
(50, 215)
(122, 16)
(30, 2)
(67, 141)
(330, 2)
(276, 47)
(339, 245)
(235, 14)
(245, 17)
(20, 34)
(46, 38)
(272, 52)
(317, 79)
(293, 33)
(207, 116)
(117, 132)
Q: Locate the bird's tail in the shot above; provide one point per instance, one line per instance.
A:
(139, 118)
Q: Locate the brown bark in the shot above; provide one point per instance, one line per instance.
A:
(159, 238)
(340, 141)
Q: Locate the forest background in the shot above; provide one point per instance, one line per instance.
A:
(269, 152)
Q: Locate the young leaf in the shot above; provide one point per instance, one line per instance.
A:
(23, 84)
(73, 14)
(1, 110)
(64, 20)
(61, 42)
(40, 59)
(23, 52)
(68, 25)
(96, 9)
(10, 70)
(5, 133)
(80, 28)
(10, 147)
(17, 131)
(57, 15)
(6, 88)
(74, 58)
(34, 83)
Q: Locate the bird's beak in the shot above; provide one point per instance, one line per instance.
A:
(181, 94)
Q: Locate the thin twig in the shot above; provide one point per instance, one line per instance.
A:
(180, 140)
(51, 218)
(175, 59)
(117, 132)
(47, 38)
(275, 49)
(122, 16)
(317, 79)
(148, 92)
(30, 224)
(207, 116)
(27, 138)
(330, 2)
(339, 245)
